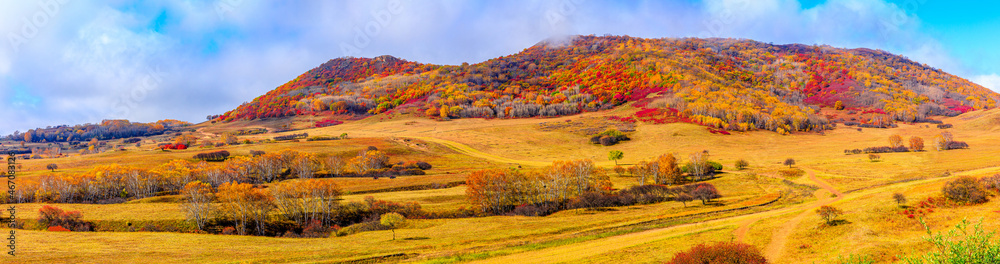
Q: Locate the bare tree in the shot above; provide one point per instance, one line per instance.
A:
(197, 202)
(335, 164)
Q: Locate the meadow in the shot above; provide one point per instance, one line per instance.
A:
(760, 206)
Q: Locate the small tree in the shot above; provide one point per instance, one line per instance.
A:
(392, 221)
(615, 155)
(343, 135)
(829, 213)
(965, 189)
(789, 162)
(900, 199)
(52, 167)
(742, 164)
(684, 198)
(916, 144)
(720, 253)
(705, 192)
(895, 141)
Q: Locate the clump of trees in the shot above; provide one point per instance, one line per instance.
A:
(213, 156)
(609, 137)
(720, 253)
(662, 170)
(117, 183)
(497, 191)
(291, 136)
(49, 216)
(568, 185)
(944, 141)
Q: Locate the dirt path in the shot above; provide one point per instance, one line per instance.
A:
(774, 250)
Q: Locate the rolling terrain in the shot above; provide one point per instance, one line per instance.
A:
(721, 99)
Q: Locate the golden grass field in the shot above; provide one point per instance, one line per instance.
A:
(787, 231)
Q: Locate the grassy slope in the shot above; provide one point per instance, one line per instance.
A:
(459, 145)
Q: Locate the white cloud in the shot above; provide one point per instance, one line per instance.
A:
(215, 55)
(991, 81)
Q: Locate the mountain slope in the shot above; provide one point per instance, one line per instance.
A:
(725, 83)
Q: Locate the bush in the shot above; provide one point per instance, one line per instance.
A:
(49, 216)
(714, 165)
(609, 137)
(956, 145)
(965, 189)
(991, 182)
(741, 164)
(961, 246)
(213, 156)
(720, 253)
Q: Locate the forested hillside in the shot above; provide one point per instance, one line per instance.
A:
(724, 83)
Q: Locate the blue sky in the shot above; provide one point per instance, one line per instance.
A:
(71, 62)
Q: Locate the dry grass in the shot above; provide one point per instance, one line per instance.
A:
(458, 146)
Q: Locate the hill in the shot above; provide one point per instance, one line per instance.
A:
(730, 84)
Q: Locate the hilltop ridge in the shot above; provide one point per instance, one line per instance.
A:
(731, 84)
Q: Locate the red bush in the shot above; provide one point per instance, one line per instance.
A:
(720, 253)
(49, 216)
(58, 229)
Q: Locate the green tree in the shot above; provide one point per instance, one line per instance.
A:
(615, 155)
(392, 221)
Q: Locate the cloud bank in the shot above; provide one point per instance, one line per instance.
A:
(70, 62)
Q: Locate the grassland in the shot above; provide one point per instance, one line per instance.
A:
(788, 231)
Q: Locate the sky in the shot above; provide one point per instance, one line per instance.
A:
(74, 62)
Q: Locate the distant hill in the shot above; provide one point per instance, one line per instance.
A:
(730, 84)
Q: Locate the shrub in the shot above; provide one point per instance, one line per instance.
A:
(742, 164)
(720, 253)
(874, 157)
(609, 137)
(991, 182)
(49, 216)
(213, 156)
(608, 141)
(965, 189)
(714, 165)
(961, 245)
(956, 145)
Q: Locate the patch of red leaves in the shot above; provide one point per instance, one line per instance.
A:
(58, 229)
(328, 122)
